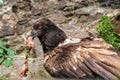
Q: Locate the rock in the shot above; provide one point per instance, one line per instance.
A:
(22, 8)
(22, 5)
(37, 51)
(6, 30)
(36, 12)
(23, 26)
(79, 0)
(35, 69)
(6, 17)
(116, 22)
(92, 10)
(5, 9)
(113, 13)
(1, 24)
(54, 1)
(57, 18)
(114, 4)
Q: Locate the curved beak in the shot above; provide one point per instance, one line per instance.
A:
(33, 35)
(36, 33)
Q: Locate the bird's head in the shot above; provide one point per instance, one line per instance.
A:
(41, 27)
(48, 33)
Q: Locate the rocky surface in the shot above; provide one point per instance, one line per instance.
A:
(72, 16)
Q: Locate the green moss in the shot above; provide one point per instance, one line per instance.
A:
(98, 78)
(23, 53)
(4, 77)
(106, 31)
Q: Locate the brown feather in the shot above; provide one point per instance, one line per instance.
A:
(87, 58)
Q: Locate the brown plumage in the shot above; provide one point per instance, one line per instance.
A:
(87, 58)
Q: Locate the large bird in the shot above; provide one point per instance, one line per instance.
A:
(78, 59)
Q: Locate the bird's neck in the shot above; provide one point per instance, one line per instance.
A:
(51, 40)
(47, 48)
(66, 41)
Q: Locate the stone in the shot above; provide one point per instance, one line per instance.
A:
(6, 17)
(57, 18)
(6, 30)
(1, 24)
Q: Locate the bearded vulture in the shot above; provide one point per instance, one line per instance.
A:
(75, 58)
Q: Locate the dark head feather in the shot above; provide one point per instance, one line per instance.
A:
(48, 33)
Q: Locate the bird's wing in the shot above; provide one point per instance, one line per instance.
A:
(87, 59)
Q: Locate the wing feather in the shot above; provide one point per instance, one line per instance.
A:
(85, 59)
